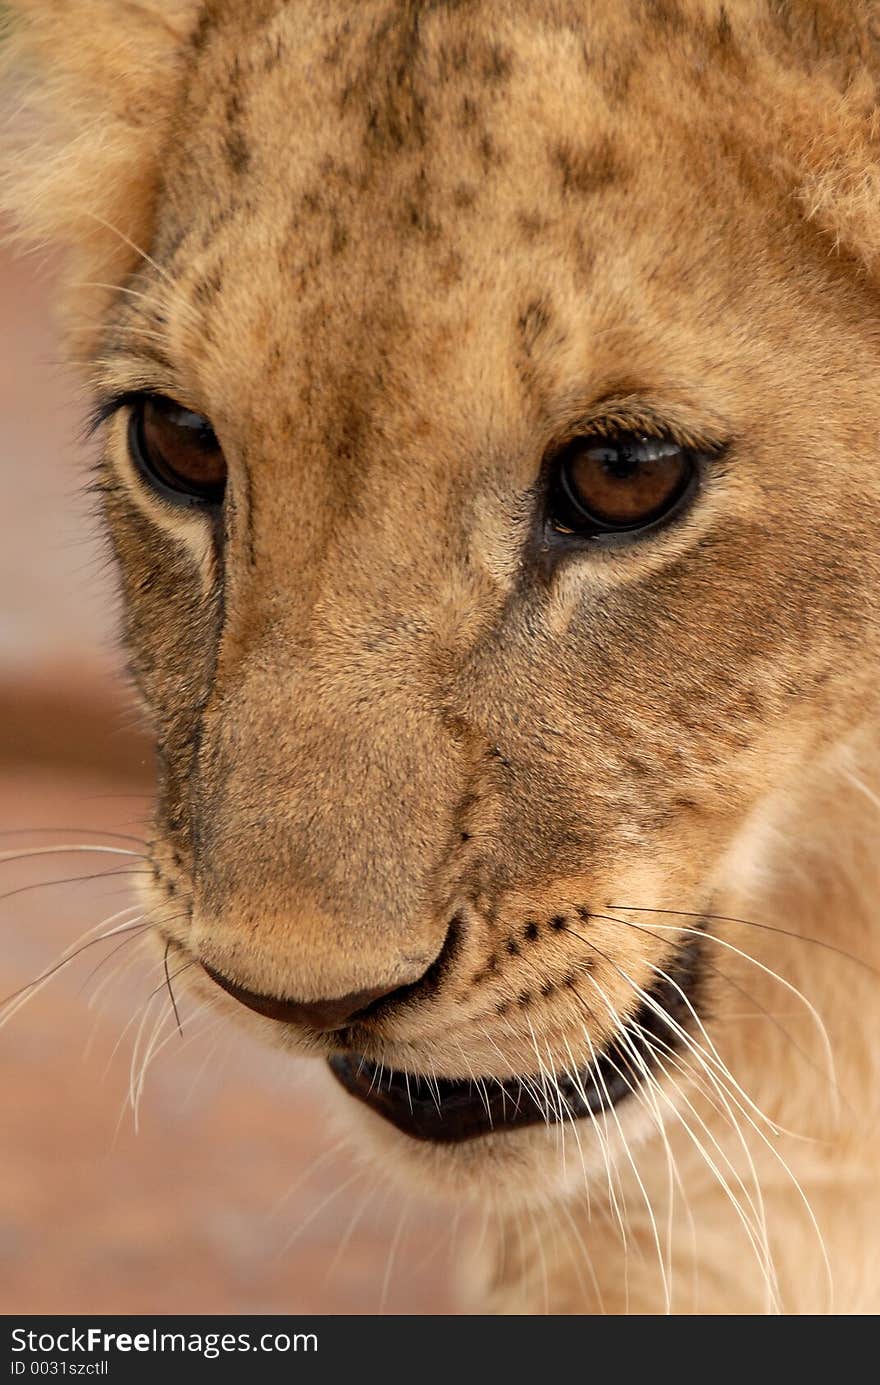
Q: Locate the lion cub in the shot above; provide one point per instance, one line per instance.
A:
(488, 412)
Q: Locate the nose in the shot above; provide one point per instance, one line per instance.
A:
(320, 1016)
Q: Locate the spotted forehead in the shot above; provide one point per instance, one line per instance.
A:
(438, 175)
(400, 125)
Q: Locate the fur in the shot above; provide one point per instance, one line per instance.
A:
(395, 252)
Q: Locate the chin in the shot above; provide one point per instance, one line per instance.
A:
(511, 1165)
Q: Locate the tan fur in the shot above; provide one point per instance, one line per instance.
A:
(397, 251)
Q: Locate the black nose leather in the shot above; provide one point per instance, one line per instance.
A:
(321, 1016)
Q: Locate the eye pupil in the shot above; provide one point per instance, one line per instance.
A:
(621, 467)
(606, 485)
(176, 452)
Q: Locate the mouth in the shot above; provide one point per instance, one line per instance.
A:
(451, 1110)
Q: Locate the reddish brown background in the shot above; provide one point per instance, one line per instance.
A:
(225, 1200)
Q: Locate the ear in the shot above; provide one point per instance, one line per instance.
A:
(837, 155)
(824, 117)
(94, 84)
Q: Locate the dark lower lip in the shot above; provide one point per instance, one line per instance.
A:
(449, 1111)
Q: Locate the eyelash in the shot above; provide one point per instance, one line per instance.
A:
(108, 407)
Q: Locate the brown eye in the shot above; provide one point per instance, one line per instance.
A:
(615, 484)
(176, 451)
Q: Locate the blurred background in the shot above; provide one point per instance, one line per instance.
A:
(229, 1193)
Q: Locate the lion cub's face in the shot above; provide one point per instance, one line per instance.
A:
(491, 461)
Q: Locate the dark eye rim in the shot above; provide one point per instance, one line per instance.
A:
(183, 497)
(595, 532)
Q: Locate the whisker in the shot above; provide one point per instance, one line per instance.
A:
(318, 1208)
(783, 981)
(757, 1233)
(735, 1091)
(634, 1088)
(171, 989)
(586, 1258)
(574, 1074)
(752, 923)
(345, 1239)
(79, 846)
(139, 923)
(711, 1053)
(25, 992)
(392, 1254)
(72, 880)
(542, 1259)
(325, 1157)
(826, 1076)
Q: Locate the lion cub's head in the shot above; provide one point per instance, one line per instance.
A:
(490, 450)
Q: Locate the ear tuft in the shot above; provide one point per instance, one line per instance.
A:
(824, 118)
(93, 86)
(840, 188)
(825, 145)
